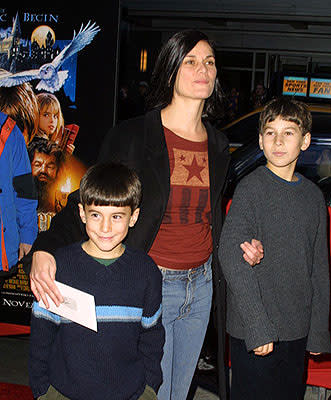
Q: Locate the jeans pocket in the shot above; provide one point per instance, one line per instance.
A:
(209, 275)
(208, 269)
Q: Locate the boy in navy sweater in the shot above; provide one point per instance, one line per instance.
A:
(280, 308)
(122, 359)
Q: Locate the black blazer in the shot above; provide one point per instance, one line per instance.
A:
(140, 143)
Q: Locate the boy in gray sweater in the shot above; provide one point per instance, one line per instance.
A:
(280, 308)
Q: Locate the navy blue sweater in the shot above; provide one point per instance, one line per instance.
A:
(125, 354)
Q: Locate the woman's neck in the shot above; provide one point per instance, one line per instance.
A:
(185, 120)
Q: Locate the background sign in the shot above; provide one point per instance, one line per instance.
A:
(320, 88)
(295, 86)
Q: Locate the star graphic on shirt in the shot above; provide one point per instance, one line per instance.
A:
(194, 170)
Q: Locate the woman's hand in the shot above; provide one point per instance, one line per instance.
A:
(253, 252)
(42, 278)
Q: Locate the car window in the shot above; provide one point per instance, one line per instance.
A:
(243, 131)
(315, 162)
(321, 123)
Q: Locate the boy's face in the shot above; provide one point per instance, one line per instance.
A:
(281, 142)
(106, 226)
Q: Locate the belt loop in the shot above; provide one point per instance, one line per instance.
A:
(189, 273)
(163, 271)
(205, 266)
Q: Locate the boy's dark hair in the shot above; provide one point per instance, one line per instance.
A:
(288, 109)
(166, 68)
(110, 184)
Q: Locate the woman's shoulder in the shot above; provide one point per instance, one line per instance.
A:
(131, 130)
(137, 122)
(217, 134)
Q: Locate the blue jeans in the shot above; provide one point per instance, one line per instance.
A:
(186, 302)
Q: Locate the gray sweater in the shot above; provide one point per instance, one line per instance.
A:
(286, 296)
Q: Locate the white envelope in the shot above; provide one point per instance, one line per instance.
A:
(78, 306)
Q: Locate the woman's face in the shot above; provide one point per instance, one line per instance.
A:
(48, 119)
(197, 73)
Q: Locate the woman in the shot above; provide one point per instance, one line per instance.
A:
(182, 163)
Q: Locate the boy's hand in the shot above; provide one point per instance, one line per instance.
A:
(42, 278)
(253, 252)
(314, 354)
(264, 350)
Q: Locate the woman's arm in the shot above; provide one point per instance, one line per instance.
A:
(66, 228)
(42, 278)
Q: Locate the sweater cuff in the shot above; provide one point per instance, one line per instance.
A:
(259, 335)
(319, 342)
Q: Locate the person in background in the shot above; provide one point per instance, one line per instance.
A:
(18, 198)
(233, 104)
(259, 96)
(182, 162)
(141, 97)
(280, 308)
(20, 103)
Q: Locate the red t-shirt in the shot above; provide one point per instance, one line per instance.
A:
(184, 239)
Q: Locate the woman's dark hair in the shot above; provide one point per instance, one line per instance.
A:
(166, 68)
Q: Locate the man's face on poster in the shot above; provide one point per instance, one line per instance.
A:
(44, 167)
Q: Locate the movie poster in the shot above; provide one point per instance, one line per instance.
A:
(55, 65)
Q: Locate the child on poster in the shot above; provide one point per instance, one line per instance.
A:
(51, 121)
